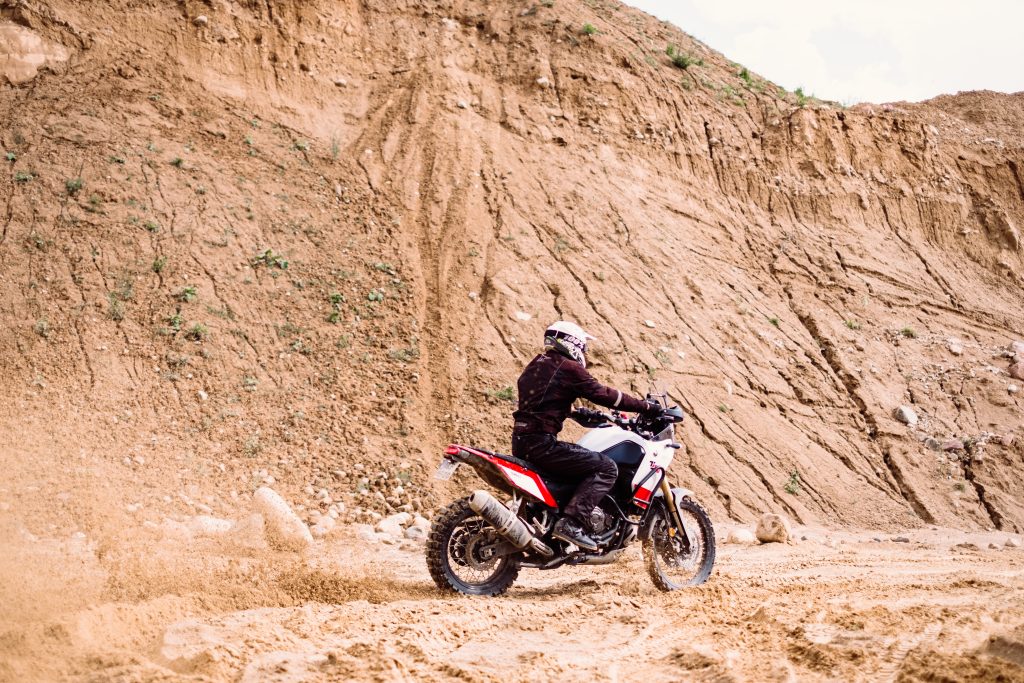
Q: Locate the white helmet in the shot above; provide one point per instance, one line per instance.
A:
(569, 339)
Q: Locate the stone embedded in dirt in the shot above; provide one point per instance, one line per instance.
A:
(906, 415)
(953, 445)
(393, 525)
(966, 546)
(365, 532)
(461, 104)
(205, 525)
(1017, 371)
(323, 526)
(933, 444)
(1012, 542)
(415, 534)
(341, 82)
(772, 528)
(741, 536)
(901, 539)
(649, 323)
(993, 546)
(955, 347)
(1016, 347)
(543, 81)
(201, 20)
(522, 316)
(1006, 440)
(1012, 389)
(421, 523)
(284, 528)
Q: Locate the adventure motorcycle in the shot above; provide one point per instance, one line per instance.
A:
(477, 545)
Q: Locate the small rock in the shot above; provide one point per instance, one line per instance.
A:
(1016, 347)
(284, 528)
(649, 323)
(1006, 440)
(993, 546)
(901, 539)
(462, 104)
(906, 415)
(966, 546)
(201, 20)
(523, 316)
(772, 528)
(1012, 389)
(421, 523)
(203, 396)
(933, 444)
(1017, 371)
(365, 532)
(955, 348)
(323, 526)
(1012, 543)
(953, 445)
(341, 82)
(543, 81)
(473, 296)
(741, 536)
(204, 525)
(414, 534)
(393, 524)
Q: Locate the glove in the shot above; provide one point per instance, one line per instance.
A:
(652, 409)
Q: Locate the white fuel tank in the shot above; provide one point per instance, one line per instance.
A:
(603, 438)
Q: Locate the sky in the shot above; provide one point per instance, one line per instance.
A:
(862, 50)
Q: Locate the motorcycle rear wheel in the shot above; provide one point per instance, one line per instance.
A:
(669, 567)
(457, 554)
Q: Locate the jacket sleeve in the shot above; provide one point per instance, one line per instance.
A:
(584, 384)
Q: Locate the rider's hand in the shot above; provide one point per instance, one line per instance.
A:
(652, 409)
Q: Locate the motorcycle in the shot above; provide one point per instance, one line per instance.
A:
(477, 545)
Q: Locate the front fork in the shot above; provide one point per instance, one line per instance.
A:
(677, 522)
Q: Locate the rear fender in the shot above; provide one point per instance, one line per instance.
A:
(503, 475)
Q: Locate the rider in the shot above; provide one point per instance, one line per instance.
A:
(547, 389)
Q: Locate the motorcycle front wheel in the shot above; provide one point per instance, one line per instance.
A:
(460, 554)
(671, 564)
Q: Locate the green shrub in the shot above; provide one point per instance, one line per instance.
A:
(73, 185)
(589, 29)
(159, 263)
(794, 485)
(197, 332)
(504, 394)
(187, 294)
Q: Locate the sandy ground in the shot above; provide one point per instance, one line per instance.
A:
(837, 606)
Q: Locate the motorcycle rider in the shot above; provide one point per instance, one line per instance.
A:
(548, 387)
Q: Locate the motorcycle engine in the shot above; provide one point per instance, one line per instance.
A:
(598, 521)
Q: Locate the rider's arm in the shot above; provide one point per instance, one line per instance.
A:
(584, 384)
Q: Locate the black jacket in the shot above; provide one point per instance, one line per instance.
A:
(548, 387)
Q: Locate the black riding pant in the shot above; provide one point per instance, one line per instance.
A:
(595, 472)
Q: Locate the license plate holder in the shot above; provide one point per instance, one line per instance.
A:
(446, 469)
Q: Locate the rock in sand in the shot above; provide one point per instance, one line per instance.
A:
(772, 528)
(284, 528)
(906, 415)
(741, 536)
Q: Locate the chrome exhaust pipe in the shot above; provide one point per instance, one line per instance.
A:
(506, 523)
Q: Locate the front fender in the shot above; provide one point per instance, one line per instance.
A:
(678, 494)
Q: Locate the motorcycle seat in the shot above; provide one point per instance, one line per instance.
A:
(546, 476)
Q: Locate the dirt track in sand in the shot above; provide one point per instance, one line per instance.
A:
(838, 606)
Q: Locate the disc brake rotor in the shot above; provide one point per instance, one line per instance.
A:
(479, 553)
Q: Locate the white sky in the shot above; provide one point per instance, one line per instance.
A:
(863, 50)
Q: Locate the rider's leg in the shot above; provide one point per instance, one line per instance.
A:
(595, 473)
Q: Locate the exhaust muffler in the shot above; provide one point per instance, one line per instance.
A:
(507, 524)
